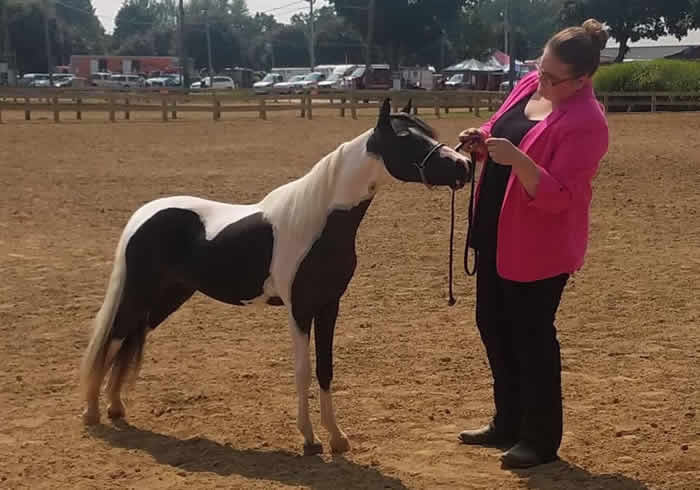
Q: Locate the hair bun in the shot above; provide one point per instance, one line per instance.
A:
(597, 32)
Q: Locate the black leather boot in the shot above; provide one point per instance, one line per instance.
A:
(487, 435)
(522, 455)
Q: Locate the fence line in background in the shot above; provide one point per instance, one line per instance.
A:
(171, 103)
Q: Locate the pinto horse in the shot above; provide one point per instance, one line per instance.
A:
(294, 248)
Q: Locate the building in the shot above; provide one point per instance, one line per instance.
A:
(648, 53)
(85, 65)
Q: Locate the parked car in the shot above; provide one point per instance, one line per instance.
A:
(336, 79)
(378, 77)
(459, 81)
(265, 85)
(121, 81)
(288, 86)
(34, 80)
(309, 82)
(219, 83)
(101, 79)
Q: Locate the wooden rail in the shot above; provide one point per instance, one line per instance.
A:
(216, 103)
(169, 104)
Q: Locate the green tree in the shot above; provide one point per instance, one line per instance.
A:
(402, 26)
(630, 21)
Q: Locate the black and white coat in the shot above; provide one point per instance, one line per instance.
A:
(294, 248)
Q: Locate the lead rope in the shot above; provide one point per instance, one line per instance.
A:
(472, 172)
(470, 217)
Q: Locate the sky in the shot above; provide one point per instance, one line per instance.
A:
(107, 10)
(284, 9)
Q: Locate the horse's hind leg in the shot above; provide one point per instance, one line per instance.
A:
(169, 300)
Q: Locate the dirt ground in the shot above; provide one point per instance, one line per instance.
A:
(215, 403)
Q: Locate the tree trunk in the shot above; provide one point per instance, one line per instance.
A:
(623, 49)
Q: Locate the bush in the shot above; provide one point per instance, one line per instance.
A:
(649, 76)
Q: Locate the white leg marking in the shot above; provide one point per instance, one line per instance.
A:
(91, 415)
(302, 373)
(339, 441)
(115, 409)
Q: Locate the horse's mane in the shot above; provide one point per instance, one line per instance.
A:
(302, 203)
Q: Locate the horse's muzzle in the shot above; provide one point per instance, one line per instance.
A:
(463, 171)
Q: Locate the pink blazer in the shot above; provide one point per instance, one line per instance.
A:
(547, 235)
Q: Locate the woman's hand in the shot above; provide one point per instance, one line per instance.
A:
(473, 140)
(504, 152)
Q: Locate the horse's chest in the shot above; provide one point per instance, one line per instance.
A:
(326, 270)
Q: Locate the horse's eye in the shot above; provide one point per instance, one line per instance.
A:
(403, 133)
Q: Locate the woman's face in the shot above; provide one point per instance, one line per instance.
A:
(557, 81)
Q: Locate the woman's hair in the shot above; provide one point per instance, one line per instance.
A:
(580, 47)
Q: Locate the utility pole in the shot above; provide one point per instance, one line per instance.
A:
(49, 60)
(211, 66)
(511, 45)
(313, 34)
(370, 32)
(184, 68)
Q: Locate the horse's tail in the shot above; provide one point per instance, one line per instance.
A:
(92, 367)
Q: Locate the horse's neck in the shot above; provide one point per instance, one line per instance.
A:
(340, 180)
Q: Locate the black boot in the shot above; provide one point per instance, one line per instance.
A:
(487, 435)
(522, 455)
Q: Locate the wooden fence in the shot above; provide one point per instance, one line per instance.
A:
(171, 103)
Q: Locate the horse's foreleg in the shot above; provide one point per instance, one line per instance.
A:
(300, 330)
(324, 327)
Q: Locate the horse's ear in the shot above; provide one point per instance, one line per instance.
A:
(407, 108)
(385, 114)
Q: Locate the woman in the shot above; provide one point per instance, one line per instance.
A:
(530, 232)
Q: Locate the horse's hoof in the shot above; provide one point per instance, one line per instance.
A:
(116, 411)
(313, 449)
(340, 444)
(91, 417)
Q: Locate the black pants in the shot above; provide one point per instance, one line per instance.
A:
(516, 323)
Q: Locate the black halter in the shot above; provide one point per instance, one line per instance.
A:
(421, 165)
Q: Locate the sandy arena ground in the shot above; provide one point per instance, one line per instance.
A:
(215, 404)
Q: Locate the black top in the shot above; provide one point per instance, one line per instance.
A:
(513, 125)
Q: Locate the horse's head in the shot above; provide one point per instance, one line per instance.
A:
(410, 152)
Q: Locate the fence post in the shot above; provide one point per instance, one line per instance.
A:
(164, 109)
(437, 106)
(112, 116)
(78, 113)
(606, 102)
(353, 104)
(127, 114)
(174, 109)
(476, 103)
(302, 101)
(342, 106)
(263, 112)
(56, 114)
(653, 103)
(27, 110)
(2, 100)
(309, 102)
(490, 99)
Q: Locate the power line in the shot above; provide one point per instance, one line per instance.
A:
(282, 7)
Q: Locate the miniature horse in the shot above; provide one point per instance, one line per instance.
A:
(294, 248)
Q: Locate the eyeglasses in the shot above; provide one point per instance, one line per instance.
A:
(550, 79)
